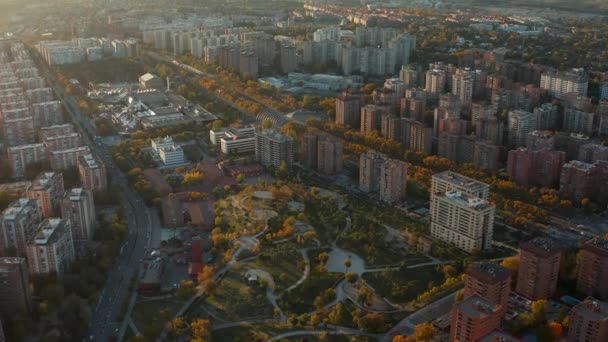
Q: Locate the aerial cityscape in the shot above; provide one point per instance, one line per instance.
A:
(304, 170)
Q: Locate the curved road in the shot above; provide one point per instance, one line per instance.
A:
(104, 321)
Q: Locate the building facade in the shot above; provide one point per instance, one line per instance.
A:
(78, 207)
(15, 294)
(273, 148)
(92, 173)
(51, 250)
(47, 190)
(593, 268)
(539, 268)
(18, 224)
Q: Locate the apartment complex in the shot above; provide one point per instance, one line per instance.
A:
(580, 180)
(535, 167)
(539, 268)
(47, 190)
(474, 318)
(20, 157)
(462, 219)
(18, 224)
(92, 173)
(588, 321)
(65, 159)
(15, 294)
(488, 280)
(560, 83)
(449, 180)
(348, 110)
(593, 268)
(382, 175)
(51, 250)
(78, 207)
(273, 148)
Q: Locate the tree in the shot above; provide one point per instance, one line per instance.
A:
(201, 329)
(425, 332)
(556, 329)
(323, 257)
(511, 263)
(217, 125)
(267, 124)
(459, 296)
(351, 277)
(178, 326)
(539, 310)
(185, 290)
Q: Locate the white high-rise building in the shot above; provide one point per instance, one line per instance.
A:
(464, 220)
(449, 180)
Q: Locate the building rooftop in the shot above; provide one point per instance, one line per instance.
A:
(274, 135)
(465, 199)
(42, 181)
(592, 308)
(17, 207)
(49, 231)
(476, 306)
(71, 150)
(598, 245)
(163, 140)
(488, 272)
(460, 180)
(25, 147)
(579, 165)
(148, 77)
(90, 161)
(542, 246)
(173, 148)
(75, 194)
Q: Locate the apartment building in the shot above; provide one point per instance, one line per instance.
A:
(51, 250)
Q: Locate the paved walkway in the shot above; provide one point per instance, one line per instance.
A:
(306, 270)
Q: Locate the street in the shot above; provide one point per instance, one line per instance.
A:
(142, 222)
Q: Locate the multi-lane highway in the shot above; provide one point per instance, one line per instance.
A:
(143, 223)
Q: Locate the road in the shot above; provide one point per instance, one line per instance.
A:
(141, 220)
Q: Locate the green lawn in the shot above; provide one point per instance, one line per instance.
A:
(150, 315)
(402, 286)
(233, 299)
(282, 261)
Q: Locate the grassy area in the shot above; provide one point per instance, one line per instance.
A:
(150, 315)
(402, 286)
(283, 262)
(300, 299)
(235, 300)
(107, 70)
